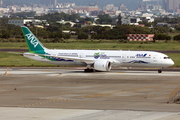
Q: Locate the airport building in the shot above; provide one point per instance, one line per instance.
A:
(130, 20)
(49, 2)
(122, 7)
(86, 8)
(171, 5)
(1, 2)
(111, 7)
(22, 22)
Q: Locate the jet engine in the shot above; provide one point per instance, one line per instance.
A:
(102, 65)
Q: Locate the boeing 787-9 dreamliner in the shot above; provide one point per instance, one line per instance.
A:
(94, 60)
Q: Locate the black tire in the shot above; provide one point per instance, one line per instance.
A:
(88, 70)
(159, 71)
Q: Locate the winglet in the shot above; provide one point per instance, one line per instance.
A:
(33, 43)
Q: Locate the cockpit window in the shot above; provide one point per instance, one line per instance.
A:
(167, 58)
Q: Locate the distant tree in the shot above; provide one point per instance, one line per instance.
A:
(16, 31)
(82, 36)
(163, 29)
(146, 23)
(177, 37)
(53, 28)
(3, 21)
(119, 20)
(5, 34)
(104, 19)
(77, 25)
(162, 37)
(56, 40)
(177, 27)
(66, 36)
(118, 32)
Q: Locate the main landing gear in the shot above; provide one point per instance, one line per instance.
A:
(88, 70)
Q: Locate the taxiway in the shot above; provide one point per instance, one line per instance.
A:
(67, 93)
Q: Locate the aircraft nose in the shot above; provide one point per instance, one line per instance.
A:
(168, 63)
(171, 63)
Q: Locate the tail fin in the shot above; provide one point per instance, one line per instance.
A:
(33, 43)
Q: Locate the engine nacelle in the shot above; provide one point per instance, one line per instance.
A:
(102, 65)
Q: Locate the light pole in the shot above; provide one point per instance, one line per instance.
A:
(62, 22)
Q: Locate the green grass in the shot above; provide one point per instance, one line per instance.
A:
(11, 45)
(15, 60)
(105, 44)
(115, 46)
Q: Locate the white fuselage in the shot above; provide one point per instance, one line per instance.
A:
(121, 58)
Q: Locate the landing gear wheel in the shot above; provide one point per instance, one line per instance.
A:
(88, 70)
(159, 71)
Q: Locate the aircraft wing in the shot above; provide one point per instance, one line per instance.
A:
(84, 60)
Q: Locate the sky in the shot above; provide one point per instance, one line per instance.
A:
(129, 3)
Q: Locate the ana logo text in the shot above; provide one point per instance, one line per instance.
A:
(143, 55)
(32, 39)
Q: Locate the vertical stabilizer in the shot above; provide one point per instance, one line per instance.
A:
(33, 43)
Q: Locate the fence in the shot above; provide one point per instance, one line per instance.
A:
(140, 37)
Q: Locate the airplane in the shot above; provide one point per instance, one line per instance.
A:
(94, 60)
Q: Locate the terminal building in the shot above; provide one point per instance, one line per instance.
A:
(22, 22)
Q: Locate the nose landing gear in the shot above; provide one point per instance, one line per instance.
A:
(160, 71)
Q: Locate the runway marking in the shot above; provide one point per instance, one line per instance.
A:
(151, 68)
(121, 72)
(46, 102)
(59, 74)
(145, 73)
(6, 73)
